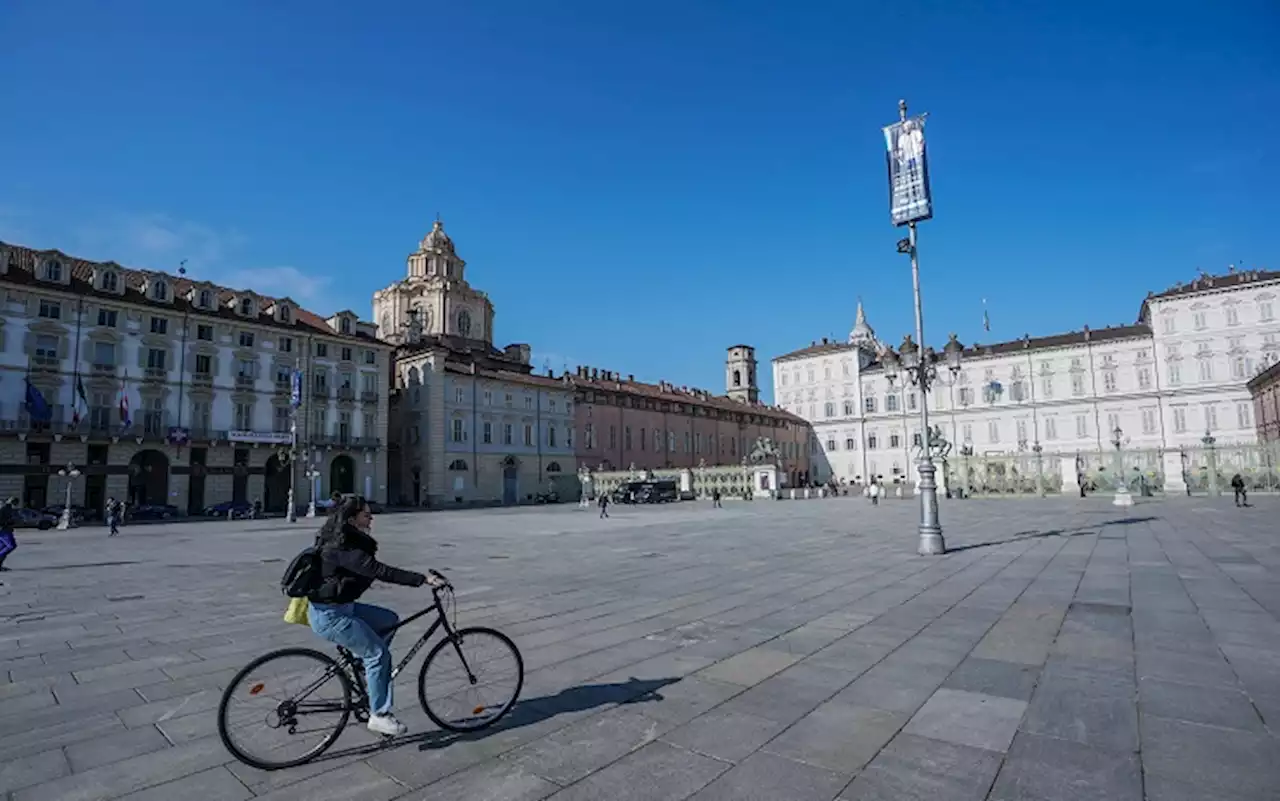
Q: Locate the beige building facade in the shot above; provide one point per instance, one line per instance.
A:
(472, 424)
(164, 390)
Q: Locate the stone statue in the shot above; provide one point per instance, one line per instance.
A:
(765, 451)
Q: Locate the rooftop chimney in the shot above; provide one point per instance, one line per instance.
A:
(594, 374)
(631, 377)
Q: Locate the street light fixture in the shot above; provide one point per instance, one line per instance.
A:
(1123, 498)
(69, 472)
(1208, 441)
(920, 366)
(312, 474)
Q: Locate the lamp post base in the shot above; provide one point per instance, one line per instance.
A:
(64, 519)
(931, 543)
(292, 514)
(1123, 498)
(311, 509)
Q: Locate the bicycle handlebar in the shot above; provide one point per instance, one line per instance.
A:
(444, 582)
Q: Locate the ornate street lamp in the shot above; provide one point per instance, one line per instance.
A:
(920, 367)
(1208, 441)
(1038, 450)
(69, 472)
(312, 474)
(1123, 498)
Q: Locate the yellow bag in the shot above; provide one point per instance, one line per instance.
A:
(296, 612)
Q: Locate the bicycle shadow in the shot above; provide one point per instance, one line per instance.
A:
(526, 712)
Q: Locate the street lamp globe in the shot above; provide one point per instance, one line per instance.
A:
(910, 353)
(953, 351)
(1117, 436)
(891, 363)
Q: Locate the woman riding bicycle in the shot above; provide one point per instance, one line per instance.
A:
(348, 568)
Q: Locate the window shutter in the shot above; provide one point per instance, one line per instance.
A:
(64, 347)
(142, 356)
(29, 343)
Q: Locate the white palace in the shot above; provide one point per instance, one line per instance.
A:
(1165, 382)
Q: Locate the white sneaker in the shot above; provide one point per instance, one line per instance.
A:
(386, 724)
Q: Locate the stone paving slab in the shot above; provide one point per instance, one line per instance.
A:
(1064, 649)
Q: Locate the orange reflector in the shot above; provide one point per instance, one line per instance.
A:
(257, 688)
(477, 710)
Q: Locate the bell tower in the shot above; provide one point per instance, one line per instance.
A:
(740, 374)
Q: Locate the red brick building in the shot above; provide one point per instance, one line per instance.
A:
(1265, 389)
(619, 421)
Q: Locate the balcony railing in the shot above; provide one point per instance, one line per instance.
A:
(45, 362)
(284, 387)
(102, 369)
(202, 380)
(345, 441)
(346, 394)
(155, 373)
(245, 381)
(320, 393)
(369, 397)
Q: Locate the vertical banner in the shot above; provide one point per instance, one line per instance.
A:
(295, 389)
(909, 198)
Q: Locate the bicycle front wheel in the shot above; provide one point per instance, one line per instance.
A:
(284, 708)
(470, 680)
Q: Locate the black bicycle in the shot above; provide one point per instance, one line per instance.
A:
(302, 698)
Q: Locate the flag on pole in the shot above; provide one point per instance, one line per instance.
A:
(81, 397)
(986, 318)
(38, 409)
(125, 419)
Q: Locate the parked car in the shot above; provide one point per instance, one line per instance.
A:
(78, 513)
(239, 510)
(153, 511)
(550, 496)
(34, 518)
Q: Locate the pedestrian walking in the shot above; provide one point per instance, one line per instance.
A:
(113, 516)
(715, 499)
(8, 543)
(1242, 495)
(604, 505)
(873, 492)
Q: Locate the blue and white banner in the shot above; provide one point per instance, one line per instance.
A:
(909, 197)
(295, 390)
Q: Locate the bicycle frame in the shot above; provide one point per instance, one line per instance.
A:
(441, 620)
(362, 699)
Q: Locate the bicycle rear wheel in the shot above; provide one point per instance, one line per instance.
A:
(475, 678)
(284, 708)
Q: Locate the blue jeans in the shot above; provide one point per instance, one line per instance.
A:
(354, 627)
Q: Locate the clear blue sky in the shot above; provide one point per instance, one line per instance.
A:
(640, 185)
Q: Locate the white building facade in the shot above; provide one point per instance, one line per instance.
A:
(1165, 382)
(167, 391)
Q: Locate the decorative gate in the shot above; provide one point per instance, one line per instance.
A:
(1258, 465)
(1143, 470)
(1000, 475)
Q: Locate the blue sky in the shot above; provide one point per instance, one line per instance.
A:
(640, 185)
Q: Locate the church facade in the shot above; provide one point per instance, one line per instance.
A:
(471, 422)
(1175, 377)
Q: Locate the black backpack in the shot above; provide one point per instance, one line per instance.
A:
(303, 575)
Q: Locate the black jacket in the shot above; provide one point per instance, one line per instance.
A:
(348, 567)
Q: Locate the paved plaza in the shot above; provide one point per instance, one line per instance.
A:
(1064, 649)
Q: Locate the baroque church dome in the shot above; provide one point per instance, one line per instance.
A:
(437, 239)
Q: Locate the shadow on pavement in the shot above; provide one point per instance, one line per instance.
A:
(526, 712)
(1033, 535)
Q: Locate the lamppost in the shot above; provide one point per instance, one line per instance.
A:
(921, 370)
(295, 400)
(1038, 450)
(312, 474)
(69, 472)
(1212, 457)
(1123, 498)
